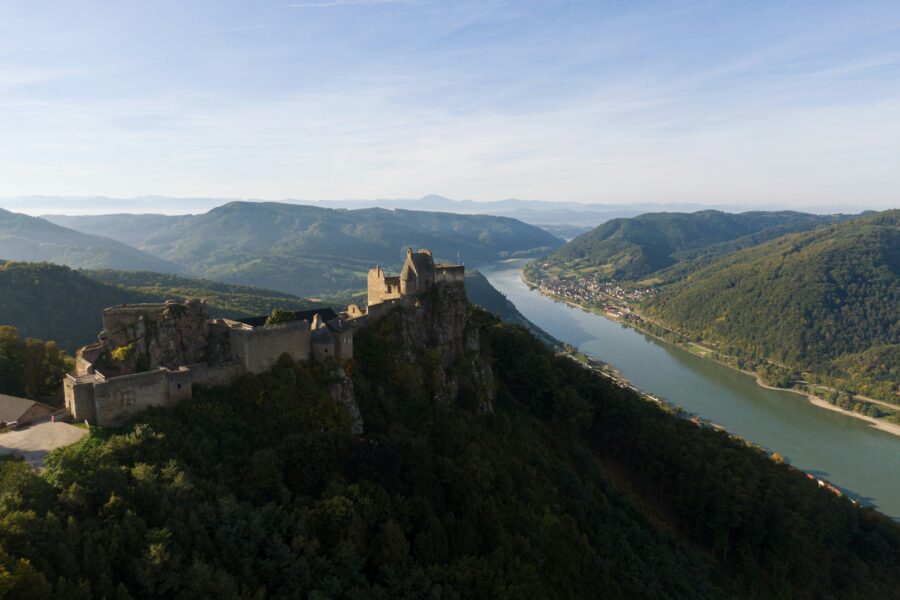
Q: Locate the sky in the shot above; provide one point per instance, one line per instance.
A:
(788, 104)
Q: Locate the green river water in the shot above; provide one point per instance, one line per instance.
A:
(861, 461)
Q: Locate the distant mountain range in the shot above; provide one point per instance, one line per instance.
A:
(32, 239)
(303, 250)
(565, 219)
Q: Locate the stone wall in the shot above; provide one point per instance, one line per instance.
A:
(377, 311)
(79, 394)
(323, 349)
(257, 349)
(382, 287)
(86, 357)
(343, 347)
(214, 375)
(120, 399)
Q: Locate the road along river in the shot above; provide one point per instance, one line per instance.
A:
(857, 458)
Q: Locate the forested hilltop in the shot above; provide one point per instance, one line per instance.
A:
(562, 486)
(826, 301)
(308, 250)
(637, 247)
(806, 302)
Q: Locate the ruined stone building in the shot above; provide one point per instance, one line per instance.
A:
(153, 354)
(418, 276)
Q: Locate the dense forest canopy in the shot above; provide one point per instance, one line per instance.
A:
(636, 247)
(31, 368)
(568, 487)
(826, 300)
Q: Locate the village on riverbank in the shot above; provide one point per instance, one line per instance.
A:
(621, 302)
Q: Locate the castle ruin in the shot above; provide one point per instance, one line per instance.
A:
(419, 275)
(153, 354)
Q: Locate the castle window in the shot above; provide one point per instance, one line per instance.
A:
(127, 399)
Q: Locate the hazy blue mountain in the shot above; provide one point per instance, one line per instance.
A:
(33, 239)
(564, 231)
(533, 212)
(127, 228)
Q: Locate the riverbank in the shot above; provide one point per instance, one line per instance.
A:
(817, 401)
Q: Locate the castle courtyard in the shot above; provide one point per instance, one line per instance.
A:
(35, 443)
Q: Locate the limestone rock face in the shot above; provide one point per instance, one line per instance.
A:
(169, 335)
(341, 391)
(181, 336)
(437, 325)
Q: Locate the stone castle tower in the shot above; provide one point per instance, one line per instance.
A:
(419, 275)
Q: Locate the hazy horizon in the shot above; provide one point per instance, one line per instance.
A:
(717, 103)
(171, 205)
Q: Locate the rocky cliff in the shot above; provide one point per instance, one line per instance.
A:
(439, 348)
(147, 337)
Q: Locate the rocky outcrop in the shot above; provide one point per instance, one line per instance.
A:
(147, 337)
(341, 391)
(435, 327)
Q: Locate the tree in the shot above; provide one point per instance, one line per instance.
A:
(12, 380)
(31, 368)
(280, 315)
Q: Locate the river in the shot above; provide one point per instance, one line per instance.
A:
(860, 460)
